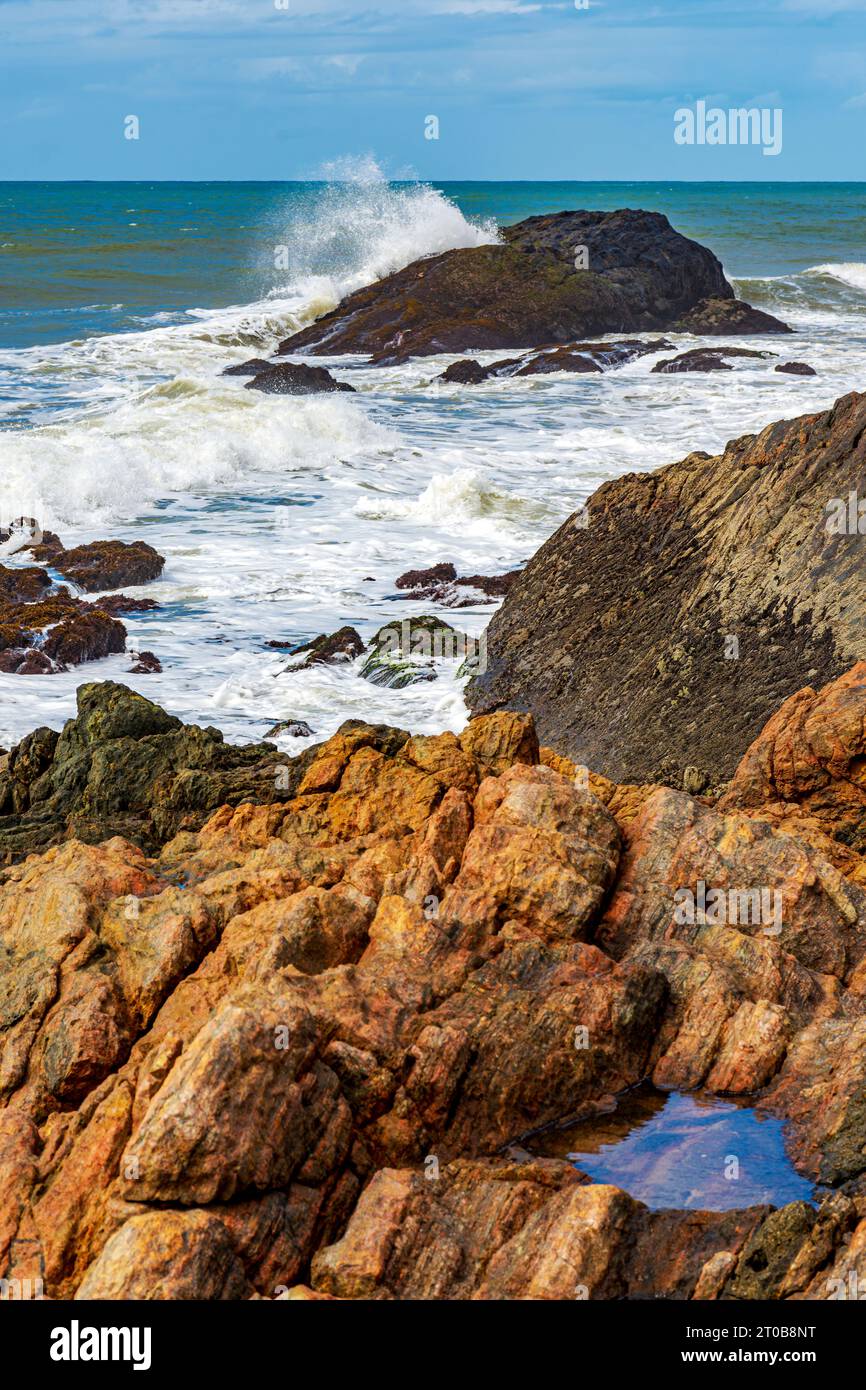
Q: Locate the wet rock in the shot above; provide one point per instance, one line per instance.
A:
(403, 653)
(662, 588)
(292, 728)
(728, 316)
(796, 369)
(435, 574)
(443, 584)
(25, 585)
(125, 767)
(526, 290)
(704, 360)
(146, 664)
(122, 603)
(466, 372)
(580, 358)
(253, 367)
(84, 637)
(295, 379)
(109, 564)
(328, 649)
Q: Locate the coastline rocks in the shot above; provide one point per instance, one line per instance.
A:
(299, 1051)
(402, 653)
(704, 360)
(574, 357)
(56, 631)
(327, 649)
(796, 369)
(146, 664)
(659, 628)
(123, 767)
(724, 315)
(103, 564)
(526, 290)
(809, 762)
(253, 367)
(443, 584)
(293, 379)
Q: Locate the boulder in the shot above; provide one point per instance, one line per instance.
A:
(526, 290)
(725, 315)
(703, 360)
(727, 575)
(293, 379)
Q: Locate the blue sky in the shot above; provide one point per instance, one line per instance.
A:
(522, 89)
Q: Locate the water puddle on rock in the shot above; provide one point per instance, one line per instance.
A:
(670, 1149)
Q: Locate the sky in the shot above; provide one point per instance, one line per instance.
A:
(521, 89)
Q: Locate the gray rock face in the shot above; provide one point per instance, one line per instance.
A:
(663, 633)
(528, 290)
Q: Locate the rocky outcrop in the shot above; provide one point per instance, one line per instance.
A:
(528, 290)
(725, 315)
(796, 369)
(301, 1050)
(704, 360)
(443, 584)
(102, 564)
(53, 632)
(654, 634)
(289, 379)
(123, 767)
(578, 358)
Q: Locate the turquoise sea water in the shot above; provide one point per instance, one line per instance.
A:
(84, 258)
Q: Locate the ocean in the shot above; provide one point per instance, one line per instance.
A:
(281, 518)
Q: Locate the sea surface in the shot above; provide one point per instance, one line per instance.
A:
(281, 518)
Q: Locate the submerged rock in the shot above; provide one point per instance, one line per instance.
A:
(659, 628)
(574, 357)
(704, 360)
(327, 649)
(528, 290)
(294, 379)
(442, 583)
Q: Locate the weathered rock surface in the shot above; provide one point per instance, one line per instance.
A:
(295, 379)
(703, 360)
(442, 583)
(660, 628)
(102, 564)
(292, 1052)
(726, 315)
(525, 291)
(796, 369)
(50, 630)
(580, 358)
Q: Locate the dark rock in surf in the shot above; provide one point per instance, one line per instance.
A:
(293, 379)
(327, 649)
(704, 360)
(581, 358)
(796, 369)
(109, 564)
(146, 664)
(724, 315)
(526, 290)
(253, 367)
